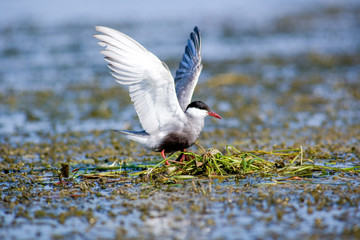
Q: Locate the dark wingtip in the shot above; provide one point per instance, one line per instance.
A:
(196, 30)
(197, 33)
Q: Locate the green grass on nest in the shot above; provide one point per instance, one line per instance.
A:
(286, 164)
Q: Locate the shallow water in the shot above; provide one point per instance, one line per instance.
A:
(280, 75)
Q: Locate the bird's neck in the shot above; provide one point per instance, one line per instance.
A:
(196, 123)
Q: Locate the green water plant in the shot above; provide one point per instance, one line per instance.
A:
(277, 164)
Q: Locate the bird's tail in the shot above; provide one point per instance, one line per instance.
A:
(137, 136)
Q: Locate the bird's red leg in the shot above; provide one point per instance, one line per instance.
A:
(163, 155)
(183, 157)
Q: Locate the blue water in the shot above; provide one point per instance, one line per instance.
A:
(47, 46)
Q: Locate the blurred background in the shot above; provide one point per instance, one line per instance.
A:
(281, 64)
(282, 74)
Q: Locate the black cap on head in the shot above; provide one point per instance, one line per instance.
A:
(199, 105)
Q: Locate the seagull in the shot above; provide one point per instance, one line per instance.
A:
(171, 122)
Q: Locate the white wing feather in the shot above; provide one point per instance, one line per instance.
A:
(150, 83)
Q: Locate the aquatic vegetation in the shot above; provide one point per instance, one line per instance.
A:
(277, 165)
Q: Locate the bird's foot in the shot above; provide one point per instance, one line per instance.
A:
(183, 157)
(180, 158)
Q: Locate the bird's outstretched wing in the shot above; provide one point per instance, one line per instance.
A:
(189, 69)
(149, 80)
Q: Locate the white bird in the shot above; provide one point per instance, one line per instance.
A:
(171, 122)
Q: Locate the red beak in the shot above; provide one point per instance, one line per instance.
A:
(215, 115)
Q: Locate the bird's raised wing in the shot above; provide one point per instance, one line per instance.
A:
(150, 83)
(189, 69)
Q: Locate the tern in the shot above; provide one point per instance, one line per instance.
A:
(171, 122)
